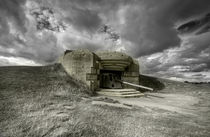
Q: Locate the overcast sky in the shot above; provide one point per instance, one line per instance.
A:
(36, 32)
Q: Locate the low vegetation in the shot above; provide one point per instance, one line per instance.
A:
(151, 82)
(46, 102)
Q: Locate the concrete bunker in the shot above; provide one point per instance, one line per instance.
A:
(101, 70)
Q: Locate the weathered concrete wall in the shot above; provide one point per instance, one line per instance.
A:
(79, 64)
(114, 60)
(132, 74)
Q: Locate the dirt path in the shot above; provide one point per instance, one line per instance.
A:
(178, 103)
(183, 112)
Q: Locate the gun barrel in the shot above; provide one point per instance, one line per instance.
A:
(135, 85)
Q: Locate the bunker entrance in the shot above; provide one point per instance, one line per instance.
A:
(109, 79)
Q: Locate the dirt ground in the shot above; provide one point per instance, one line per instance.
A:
(178, 110)
(44, 101)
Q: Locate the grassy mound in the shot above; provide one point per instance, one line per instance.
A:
(35, 79)
(151, 82)
(31, 97)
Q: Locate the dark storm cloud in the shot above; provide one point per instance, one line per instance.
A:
(84, 19)
(150, 28)
(88, 15)
(4, 28)
(12, 10)
(145, 27)
(79, 15)
(199, 51)
(151, 24)
(192, 57)
(191, 8)
(81, 44)
(46, 20)
(200, 76)
(41, 50)
(196, 26)
(19, 37)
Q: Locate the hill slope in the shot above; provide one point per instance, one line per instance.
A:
(45, 101)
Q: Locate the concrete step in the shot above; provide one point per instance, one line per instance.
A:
(133, 96)
(123, 96)
(130, 93)
(117, 90)
(118, 93)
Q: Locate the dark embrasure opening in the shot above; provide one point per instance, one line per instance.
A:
(109, 79)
